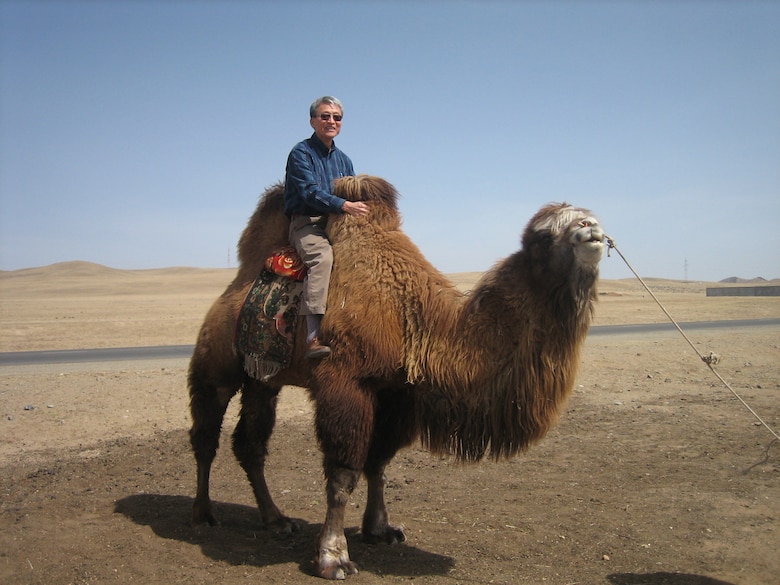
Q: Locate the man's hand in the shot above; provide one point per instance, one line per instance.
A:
(355, 208)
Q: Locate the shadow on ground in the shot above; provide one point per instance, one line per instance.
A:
(240, 539)
(663, 579)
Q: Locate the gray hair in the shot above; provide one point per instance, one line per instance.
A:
(327, 99)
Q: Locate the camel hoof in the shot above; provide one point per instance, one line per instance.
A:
(336, 571)
(390, 535)
(201, 514)
(284, 525)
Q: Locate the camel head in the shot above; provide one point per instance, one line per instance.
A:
(567, 233)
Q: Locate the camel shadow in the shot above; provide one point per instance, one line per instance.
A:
(241, 540)
(663, 579)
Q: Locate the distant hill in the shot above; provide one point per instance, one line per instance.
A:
(82, 269)
(75, 268)
(738, 280)
(90, 269)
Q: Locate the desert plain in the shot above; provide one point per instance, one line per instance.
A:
(655, 475)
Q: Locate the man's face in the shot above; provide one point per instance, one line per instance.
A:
(327, 129)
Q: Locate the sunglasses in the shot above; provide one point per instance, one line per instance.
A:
(326, 117)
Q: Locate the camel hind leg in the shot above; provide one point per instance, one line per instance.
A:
(250, 445)
(207, 407)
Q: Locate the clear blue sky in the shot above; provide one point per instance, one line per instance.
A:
(139, 134)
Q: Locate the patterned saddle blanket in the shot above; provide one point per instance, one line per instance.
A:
(268, 319)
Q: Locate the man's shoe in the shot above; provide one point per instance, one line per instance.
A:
(316, 350)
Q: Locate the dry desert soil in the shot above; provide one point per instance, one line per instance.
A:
(655, 475)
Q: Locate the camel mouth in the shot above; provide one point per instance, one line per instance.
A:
(590, 249)
(593, 245)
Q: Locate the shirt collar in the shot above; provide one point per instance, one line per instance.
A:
(319, 145)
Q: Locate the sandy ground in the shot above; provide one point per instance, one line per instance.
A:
(655, 475)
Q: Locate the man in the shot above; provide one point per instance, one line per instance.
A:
(312, 166)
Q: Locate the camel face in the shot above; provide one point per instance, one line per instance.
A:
(573, 230)
(587, 237)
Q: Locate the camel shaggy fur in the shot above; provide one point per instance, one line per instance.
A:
(472, 375)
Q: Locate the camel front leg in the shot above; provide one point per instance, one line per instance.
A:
(332, 560)
(376, 528)
(394, 428)
(345, 422)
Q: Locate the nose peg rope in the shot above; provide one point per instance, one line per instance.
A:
(710, 359)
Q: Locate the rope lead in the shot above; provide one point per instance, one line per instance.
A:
(710, 359)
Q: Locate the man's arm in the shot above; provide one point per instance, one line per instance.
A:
(300, 172)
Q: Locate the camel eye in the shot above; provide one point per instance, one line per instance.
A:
(586, 223)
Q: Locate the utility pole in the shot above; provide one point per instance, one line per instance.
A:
(686, 270)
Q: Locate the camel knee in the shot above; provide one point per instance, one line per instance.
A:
(249, 448)
(204, 442)
(341, 484)
(204, 436)
(255, 425)
(208, 404)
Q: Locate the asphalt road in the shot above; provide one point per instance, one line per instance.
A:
(114, 354)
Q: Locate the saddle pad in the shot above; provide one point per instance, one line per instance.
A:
(266, 325)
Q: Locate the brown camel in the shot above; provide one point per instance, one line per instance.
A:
(472, 375)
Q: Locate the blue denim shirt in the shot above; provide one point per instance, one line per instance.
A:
(311, 170)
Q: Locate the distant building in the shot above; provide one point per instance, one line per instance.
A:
(744, 291)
